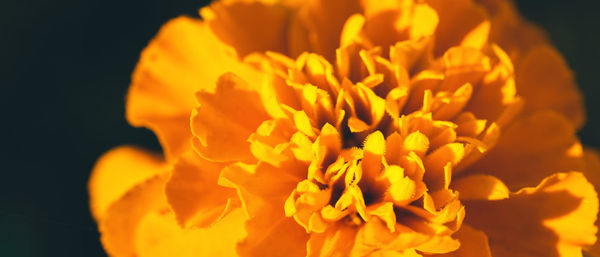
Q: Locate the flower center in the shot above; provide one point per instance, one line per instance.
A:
(382, 135)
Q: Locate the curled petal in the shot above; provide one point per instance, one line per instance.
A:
(171, 69)
(224, 120)
(193, 193)
(473, 243)
(545, 81)
(262, 184)
(120, 224)
(337, 240)
(532, 148)
(555, 218)
(116, 172)
(325, 20)
(458, 20)
(248, 26)
(592, 173)
(478, 187)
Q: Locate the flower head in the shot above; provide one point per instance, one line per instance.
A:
(351, 128)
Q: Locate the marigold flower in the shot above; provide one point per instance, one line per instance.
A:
(351, 128)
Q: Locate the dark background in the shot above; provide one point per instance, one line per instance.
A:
(64, 70)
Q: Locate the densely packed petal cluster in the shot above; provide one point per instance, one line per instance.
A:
(351, 128)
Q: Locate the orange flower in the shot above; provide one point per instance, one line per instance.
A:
(351, 128)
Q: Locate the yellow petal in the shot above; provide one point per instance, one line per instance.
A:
(351, 30)
(479, 187)
(463, 65)
(384, 211)
(530, 149)
(473, 243)
(271, 234)
(469, 125)
(337, 240)
(171, 69)
(403, 190)
(457, 20)
(478, 36)
(159, 235)
(325, 20)
(439, 244)
(263, 183)
(425, 21)
(456, 103)
(248, 26)
(119, 225)
(435, 162)
(555, 218)
(303, 124)
(224, 120)
(373, 151)
(116, 172)
(592, 173)
(545, 81)
(417, 142)
(511, 31)
(374, 235)
(193, 193)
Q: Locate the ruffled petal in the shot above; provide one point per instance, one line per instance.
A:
(225, 119)
(473, 243)
(324, 20)
(248, 26)
(545, 82)
(337, 240)
(509, 30)
(263, 190)
(592, 173)
(119, 226)
(116, 172)
(171, 69)
(271, 234)
(532, 148)
(389, 22)
(556, 218)
(159, 235)
(193, 193)
(461, 22)
(260, 185)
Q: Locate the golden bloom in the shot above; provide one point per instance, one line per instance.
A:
(351, 128)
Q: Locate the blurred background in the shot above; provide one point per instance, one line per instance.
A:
(65, 68)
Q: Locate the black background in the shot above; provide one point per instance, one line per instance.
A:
(64, 70)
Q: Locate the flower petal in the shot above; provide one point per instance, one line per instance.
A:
(260, 184)
(159, 235)
(193, 193)
(480, 187)
(325, 20)
(532, 148)
(545, 81)
(271, 234)
(592, 173)
(511, 31)
(337, 240)
(116, 172)
(473, 243)
(120, 223)
(248, 26)
(552, 219)
(225, 119)
(171, 69)
(458, 20)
